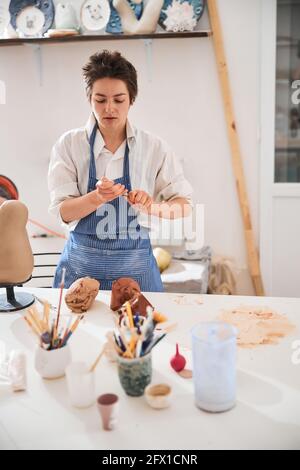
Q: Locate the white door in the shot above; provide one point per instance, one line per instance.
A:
(280, 148)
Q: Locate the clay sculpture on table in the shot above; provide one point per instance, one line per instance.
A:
(125, 290)
(81, 294)
(139, 305)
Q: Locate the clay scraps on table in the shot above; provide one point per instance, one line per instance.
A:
(186, 373)
(183, 299)
(257, 326)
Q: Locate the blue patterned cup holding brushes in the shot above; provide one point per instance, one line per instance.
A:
(135, 374)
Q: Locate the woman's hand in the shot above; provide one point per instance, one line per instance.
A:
(107, 190)
(140, 200)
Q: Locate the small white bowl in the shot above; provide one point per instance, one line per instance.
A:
(158, 396)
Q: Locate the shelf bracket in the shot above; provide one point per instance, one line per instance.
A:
(149, 58)
(38, 57)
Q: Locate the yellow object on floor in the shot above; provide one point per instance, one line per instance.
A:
(163, 258)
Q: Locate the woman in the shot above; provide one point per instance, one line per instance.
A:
(104, 178)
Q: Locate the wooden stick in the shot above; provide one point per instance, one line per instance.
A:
(129, 314)
(46, 313)
(33, 328)
(128, 352)
(62, 284)
(34, 314)
(112, 342)
(43, 325)
(66, 331)
(133, 342)
(35, 322)
(253, 260)
(92, 368)
(76, 323)
(71, 331)
(168, 328)
(74, 326)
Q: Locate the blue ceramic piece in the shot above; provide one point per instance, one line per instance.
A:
(114, 25)
(46, 6)
(198, 6)
(135, 374)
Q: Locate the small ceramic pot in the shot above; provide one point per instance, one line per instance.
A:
(52, 364)
(158, 396)
(135, 374)
(108, 406)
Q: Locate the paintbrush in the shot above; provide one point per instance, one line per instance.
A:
(127, 352)
(138, 348)
(151, 345)
(46, 308)
(129, 314)
(133, 343)
(34, 321)
(52, 335)
(67, 330)
(34, 313)
(62, 285)
(118, 342)
(136, 324)
(43, 301)
(33, 327)
(167, 328)
(112, 341)
(148, 325)
(72, 329)
(46, 314)
(92, 368)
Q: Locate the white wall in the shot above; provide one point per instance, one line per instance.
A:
(182, 104)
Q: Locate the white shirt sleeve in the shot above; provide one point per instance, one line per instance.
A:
(62, 177)
(170, 182)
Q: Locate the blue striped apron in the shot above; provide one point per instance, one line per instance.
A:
(109, 243)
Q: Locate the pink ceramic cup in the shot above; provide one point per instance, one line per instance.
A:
(108, 406)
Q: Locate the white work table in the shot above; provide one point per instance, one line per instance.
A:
(267, 413)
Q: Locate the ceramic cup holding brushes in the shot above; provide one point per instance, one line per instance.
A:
(135, 374)
(53, 353)
(52, 364)
(133, 340)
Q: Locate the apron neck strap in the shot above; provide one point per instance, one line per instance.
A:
(92, 167)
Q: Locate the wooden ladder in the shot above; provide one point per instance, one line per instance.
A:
(237, 164)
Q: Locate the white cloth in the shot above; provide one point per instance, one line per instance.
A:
(153, 167)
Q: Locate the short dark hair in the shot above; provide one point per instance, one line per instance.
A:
(107, 64)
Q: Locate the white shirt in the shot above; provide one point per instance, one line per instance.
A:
(153, 167)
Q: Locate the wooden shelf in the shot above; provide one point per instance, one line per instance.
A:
(104, 37)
